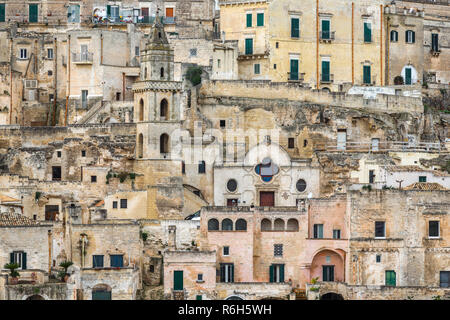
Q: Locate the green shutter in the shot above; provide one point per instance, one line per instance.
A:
(281, 272)
(232, 273)
(249, 20)
(24, 261)
(325, 71)
(367, 32)
(33, 12)
(325, 29)
(198, 297)
(271, 273)
(260, 19)
(249, 46)
(11, 257)
(366, 74)
(390, 278)
(108, 10)
(408, 76)
(413, 37)
(294, 70)
(2, 12)
(178, 280)
(320, 231)
(295, 28)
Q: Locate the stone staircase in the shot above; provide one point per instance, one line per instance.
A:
(300, 294)
(91, 113)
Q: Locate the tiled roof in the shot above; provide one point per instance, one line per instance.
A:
(15, 219)
(425, 186)
(4, 198)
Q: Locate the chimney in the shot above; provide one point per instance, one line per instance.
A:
(173, 237)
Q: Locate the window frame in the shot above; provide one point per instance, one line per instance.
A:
(226, 252)
(438, 229)
(337, 232)
(94, 256)
(123, 203)
(278, 250)
(258, 15)
(384, 230)
(295, 33)
(23, 53)
(318, 231)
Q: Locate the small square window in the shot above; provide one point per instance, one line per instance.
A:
(58, 154)
(433, 229)
(123, 203)
(257, 68)
(49, 53)
(378, 258)
(93, 179)
(83, 153)
(222, 123)
(336, 234)
(278, 250)
(193, 52)
(291, 143)
(200, 277)
(226, 251)
(422, 179)
(114, 204)
(49, 72)
(152, 268)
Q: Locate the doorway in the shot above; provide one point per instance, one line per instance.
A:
(267, 198)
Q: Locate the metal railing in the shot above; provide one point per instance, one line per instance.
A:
(327, 35)
(83, 57)
(132, 19)
(326, 78)
(296, 77)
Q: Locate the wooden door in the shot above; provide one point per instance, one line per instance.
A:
(267, 198)
(169, 12)
(178, 280)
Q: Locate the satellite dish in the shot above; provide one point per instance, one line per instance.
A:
(310, 195)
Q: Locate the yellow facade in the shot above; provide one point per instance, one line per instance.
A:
(274, 47)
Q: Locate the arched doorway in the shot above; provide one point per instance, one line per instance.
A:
(234, 298)
(35, 297)
(328, 265)
(164, 109)
(140, 145)
(101, 292)
(331, 296)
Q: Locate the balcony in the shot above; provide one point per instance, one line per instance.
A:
(327, 36)
(326, 78)
(295, 77)
(130, 19)
(372, 83)
(435, 52)
(82, 58)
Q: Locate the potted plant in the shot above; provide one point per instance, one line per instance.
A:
(13, 273)
(63, 274)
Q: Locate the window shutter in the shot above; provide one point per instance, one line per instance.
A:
(249, 20)
(222, 273)
(24, 261)
(260, 19)
(282, 273)
(367, 32)
(2, 12)
(413, 37)
(271, 273)
(11, 257)
(321, 231)
(295, 28)
(232, 273)
(108, 10)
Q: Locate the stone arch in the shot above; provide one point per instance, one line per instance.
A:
(331, 296)
(101, 292)
(292, 225)
(164, 143)
(141, 110)
(327, 257)
(278, 224)
(140, 146)
(164, 109)
(233, 297)
(213, 224)
(266, 225)
(227, 224)
(35, 297)
(241, 224)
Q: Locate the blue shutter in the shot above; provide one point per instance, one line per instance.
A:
(325, 71)
(295, 28)
(108, 10)
(281, 272)
(325, 29)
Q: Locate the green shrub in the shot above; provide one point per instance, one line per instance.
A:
(193, 74)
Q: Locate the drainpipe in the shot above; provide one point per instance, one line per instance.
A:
(101, 48)
(55, 93)
(353, 43)
(381, 44)
(68, 80)
(49, 252)
(317, 44)
(387, 50)
(123, 86)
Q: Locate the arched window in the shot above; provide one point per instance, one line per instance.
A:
(266, 225)
(164, 143)
(141, 110)
(227, 224)
(213, 224)
(162, 72)
(394, 36)
(410, 36)
(140, 145)
(241, 224)
(101, 292)
(278, 225)
(292, 225)
(266, 169)
(164, 109)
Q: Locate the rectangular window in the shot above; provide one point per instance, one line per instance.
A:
(410, 36)
(249, 46)
(226, 272)
(336, 234)
(51, 212)
(58, 154)
(277, 250)
(257, 68)
(169, 13)
(114, 205)
(318, 231)
(380, 229)
(200, 277)
(199, 297)
(422, 179)
(276, 273)
(390, 278)
(326, 29)
(2, 12)
(260, 19)
(116, 261)
(83, 153)
(49, 53)
(328, 273)
(226, 251)
(178, 280)
(433, 229)
(249, 20)
(291, 143)
(20, 258)
(201, 167)
(123, 203)
(93, 179)
(56, 173)
(371, 176)
(444, 279)
(295, 28)
(183, 167)
(378, 258)
(222, 123)
(218, 63)
(33, 12)
(367, 32)
(137, 51)
(366, 75)
(408, 76)
(97, 261)
(293, 75)
(434, 42)
(84, 99)
(23, 53)
(193, 52)
(73, 13)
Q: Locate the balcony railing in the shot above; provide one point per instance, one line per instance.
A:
(82, 58)
(372, 83)
(327, 36)
(326, 78)
(130, 19)
(296, 77)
